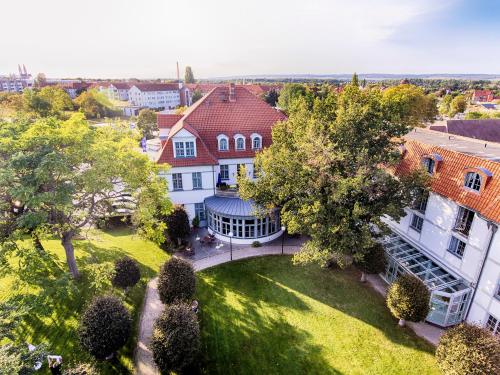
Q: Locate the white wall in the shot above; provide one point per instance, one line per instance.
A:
(154, 99)
(232, 163)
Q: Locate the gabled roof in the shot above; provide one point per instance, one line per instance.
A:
(448, 180)
(156, 86)
(214, 114)
(121, 85)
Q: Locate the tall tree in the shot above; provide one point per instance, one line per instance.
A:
(197, 95)
(62, 176)
(146, 122)
(188, 75)
(94, 104)
(288, 95)
(323, 170)
(355, 80)
(458, 105)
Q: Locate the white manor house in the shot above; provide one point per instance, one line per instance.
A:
(206, 147)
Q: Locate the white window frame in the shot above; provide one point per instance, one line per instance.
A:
(184, 143)
(256, 136)
(492, 324)
(197, 174)
(454, 245)
(417, 220)
(174, 180)
(226, 170)
(471, 179)
(429, 165)
(238, 137)
(220, 137)
(200, 211)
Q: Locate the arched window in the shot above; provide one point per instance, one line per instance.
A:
(473, 181)
(239, 141)
(223, 142)
(256, 141)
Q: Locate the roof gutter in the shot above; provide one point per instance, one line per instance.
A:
(494, 228)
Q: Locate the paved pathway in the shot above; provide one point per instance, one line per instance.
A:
(152, 308)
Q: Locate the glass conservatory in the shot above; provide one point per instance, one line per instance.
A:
(450, 295)
(233, 215)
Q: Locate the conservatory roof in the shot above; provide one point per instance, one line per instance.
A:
(415, 262)
(231, 206)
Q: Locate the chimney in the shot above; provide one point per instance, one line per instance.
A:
(232, 92)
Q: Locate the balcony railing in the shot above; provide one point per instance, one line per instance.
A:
(230, 192)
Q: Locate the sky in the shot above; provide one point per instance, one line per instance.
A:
(145, 39)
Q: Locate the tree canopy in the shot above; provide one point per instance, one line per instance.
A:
(146, 122)
(188, 75)
(94, 105)
(323, 169)
(61, 176)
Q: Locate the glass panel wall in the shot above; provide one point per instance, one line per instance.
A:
(243, 227)
(450, 295)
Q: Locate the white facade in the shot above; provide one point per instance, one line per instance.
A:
(434, 237)
(117, 93)
(154, 99)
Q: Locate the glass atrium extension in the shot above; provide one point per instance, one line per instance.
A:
(450, 295)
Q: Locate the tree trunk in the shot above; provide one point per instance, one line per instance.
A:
(37, 242)
(402, 322)
(67, 242)
(363, 277)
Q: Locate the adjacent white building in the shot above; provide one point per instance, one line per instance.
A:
(206, 148)
(155, 95)
(118, 91)
(450, 237)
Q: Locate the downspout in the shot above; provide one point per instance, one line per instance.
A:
(213, 178)
(493, 232)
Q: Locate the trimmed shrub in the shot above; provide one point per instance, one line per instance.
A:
(175, 342)
(127, 273)
(176, 281)
(177, 224)
(468, 350)
(81, 369)
(256, 244)
(408, 299)
(105, 326)
(374, 261)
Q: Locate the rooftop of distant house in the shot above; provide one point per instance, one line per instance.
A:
(482, 149)
(156, 86)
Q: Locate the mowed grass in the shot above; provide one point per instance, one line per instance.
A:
(56, 301)
(267, 316)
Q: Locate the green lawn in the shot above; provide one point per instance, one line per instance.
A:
(56, 301)
(266, 316)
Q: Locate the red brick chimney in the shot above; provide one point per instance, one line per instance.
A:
(232, 92)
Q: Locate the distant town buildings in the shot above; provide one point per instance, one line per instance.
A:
(16, 83)
(155, 95)
(481, 96)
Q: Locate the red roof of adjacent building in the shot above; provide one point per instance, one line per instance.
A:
(121, 85)
(167, 120)
(157, 86)
(214, 115)
(448, 180)
(483, 95)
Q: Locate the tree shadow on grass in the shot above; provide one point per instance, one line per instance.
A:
(239, 338)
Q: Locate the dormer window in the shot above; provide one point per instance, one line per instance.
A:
(239, 141)
(256, 141)
(473, 181)
(223, 142)
(429, 165)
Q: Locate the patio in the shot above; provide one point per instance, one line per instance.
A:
(201, 251)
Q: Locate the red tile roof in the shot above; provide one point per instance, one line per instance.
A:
(121, 85)
(483, 95)
(214, 114)
(448, 180)
(167, 120)
(157, 86)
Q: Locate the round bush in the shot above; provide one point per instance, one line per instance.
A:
(468, 350)
(176, 281)
(175, 342)
(177, 224)
(105, 326)
(374, 260)
(408, 299)
(256, 244)
(127, 273)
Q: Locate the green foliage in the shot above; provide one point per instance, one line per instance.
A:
(17, 359)
(177, 224)
(481, 115)
(271, 97)
(65, 175)
(355, 80)
(176, 281)
(458, 105)
(289, 94)
(188, 75)
(468, 350)
(256, 244)
(81, 369)
(94, 105)
(48, 101)
(176, 339)
(99, 276)
(374, 260)
(196, 221)
(197, 95)
(445, 105)
(127, 273)
(323, 169)
(105, 326)
(408, 298)
(146, 122)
